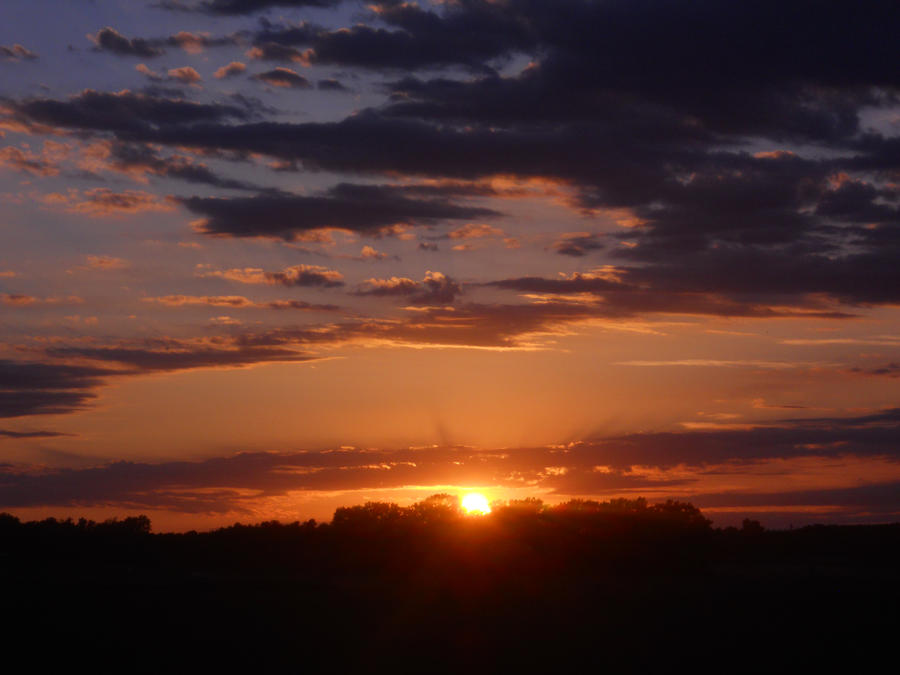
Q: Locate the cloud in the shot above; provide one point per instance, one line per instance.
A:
(283, 77)
(60, 386)
(716, 363)
(468, 326)
(215, 485)
(330, 84)
(17, 53)
(434, 289)
(123, 112)
(466, 35)
(370, 253)
(110, 40)
(19, 435)
(578, 244)
(296, 275)
(185, 75)
(106, 263)
(175, 355)
(272, 51)
(214, 301)
(637, 290)
(32, 388)
(887, 370)
(367, 209)
(231, 70)
(27, 161)
(105, 202)
(622, 111)
(883, 498)
(196, 43)
(238, 302)
(22, 300)
(608, 466)
(475, 231)
(148, 72)
(239, 7)
(139, 160)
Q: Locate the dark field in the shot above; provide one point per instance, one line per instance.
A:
(614, 587)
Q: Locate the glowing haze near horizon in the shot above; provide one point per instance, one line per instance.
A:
(262, 258)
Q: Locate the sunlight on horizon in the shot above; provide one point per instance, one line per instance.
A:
(475, 503)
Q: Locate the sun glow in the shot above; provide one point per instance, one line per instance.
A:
(475, 503)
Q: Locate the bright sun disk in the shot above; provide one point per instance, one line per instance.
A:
(475, 502)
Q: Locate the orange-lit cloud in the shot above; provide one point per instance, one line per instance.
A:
(296, 275)
(105, 202)
(231, 70)
(238, 301)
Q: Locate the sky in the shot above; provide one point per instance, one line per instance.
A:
(263, 258)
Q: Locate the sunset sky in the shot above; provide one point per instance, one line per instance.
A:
(263, 258)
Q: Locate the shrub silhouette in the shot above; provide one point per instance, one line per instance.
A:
(621, 585)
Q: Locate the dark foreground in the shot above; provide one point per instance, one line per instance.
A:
(592, 587)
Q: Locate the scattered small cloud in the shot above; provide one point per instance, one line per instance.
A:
(233, 69)
(296, 275)
(185, 75)
(110, 40)
(17, 53)
(105, 202)
(283, 77)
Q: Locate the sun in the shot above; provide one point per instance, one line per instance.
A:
(475, 503)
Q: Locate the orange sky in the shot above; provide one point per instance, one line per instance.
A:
(539, 262)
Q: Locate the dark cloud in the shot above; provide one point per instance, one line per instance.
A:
(20, 403)
(283, 77)
(110, 40)
(888, 370)
(125, 112)
(858, 279)
(578, 245)
(238, 302)
(305, 275)
(621, 292)
(17, 53)
(237, 7)
(32, 388)
(214, 485)
(272, 51)
(59, 387)
(28, 375)
(18, 435)
(434, 289)
(494, 326)
(877, 497)
(177, 356)
(231, 70)
(368, 209)
(604, 467)
(468, 34)
(28, 161)
(630, 105)
(300, 305)
(863, 436)
(141, 158)
(331, 84)
(293, 276)
(197, 42)
(781, 56)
